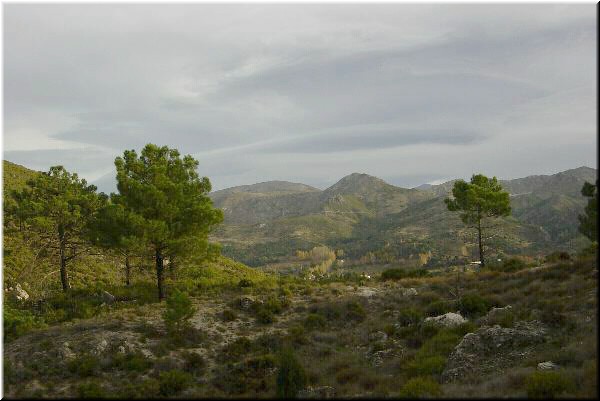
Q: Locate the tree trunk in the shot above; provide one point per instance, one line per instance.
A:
(64, 275)
(481, 255)
(159, 275)
(127, 270)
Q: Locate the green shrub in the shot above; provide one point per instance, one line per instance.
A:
(547, 384)
(410, 316)
(145, 389)
(173, 382)
(178, 312)
(314, 321)
(229, 315)
(194, 363)
(18, 322)
(135, 362)
(426, 365)
(473, 305)
(420, 387)
(90, 390)
(265, 316)
(297, 334)
(84, 365)
(558, 256)
(398, 274)
(508, 265)
(439, 308)
(245, 283)
(241, 346)
(355, 312)
(291, 377)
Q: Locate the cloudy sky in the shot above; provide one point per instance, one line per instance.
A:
(304, 93)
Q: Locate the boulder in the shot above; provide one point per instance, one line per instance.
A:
(490, 349)
(107, 297)
(495, 314)
(547, 366)
(317, 392)
(18, 293)
(100, 347)
(449, 319)
(65, 351)
(409, 292)
(367, 292)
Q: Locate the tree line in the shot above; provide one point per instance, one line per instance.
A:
(161, 208)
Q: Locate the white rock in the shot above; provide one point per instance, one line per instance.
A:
(408, 292)
(450, 319)
(547, 365)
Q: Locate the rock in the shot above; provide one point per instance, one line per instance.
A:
(450, 319)
(492, 348)
(378, 336)
(317, 392)
(547, 366)
(18, 293)
(100, 347)
(377, 357)
(107, 297)
(495, 314)
(247, 301)
(408, 292)
(367, 292)
(65, 351)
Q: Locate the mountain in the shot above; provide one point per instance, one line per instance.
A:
(15, 176)
(361, 214)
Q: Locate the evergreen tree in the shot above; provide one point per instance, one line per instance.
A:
(291, 377)
(59, 207)
(588, 221)
(478, 200)
(115, 228)
(170, 202)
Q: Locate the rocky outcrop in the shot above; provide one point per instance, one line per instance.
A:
(492, 348)
(547, 366)
(17, 293)
(449, 319)
(408, 292)
(495, 315)
(247, 302)
(317, 392)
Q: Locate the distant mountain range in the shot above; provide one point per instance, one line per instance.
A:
(361, 214)
(369, 219)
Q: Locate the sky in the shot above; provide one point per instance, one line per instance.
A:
(305, 93)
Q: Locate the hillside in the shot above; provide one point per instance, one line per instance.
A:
(15, 176)
(362, 214)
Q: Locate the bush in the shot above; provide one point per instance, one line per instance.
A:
(355, 311)
(84, 365)
(547, 384)
(508, 265)
(291, 377)
(426, 365)
(149, 388)
(245, 283)
(439, 308)
(179, 311)
(420, 387)
(229, 315)
(314, 321)
(194, 363)
(473, 305)
(558, 256)
(136, 362)
(90, 390)
(265, 316)
(297, 335)
(173, 382)
(17, 322)
(410, 316)
(398, 274)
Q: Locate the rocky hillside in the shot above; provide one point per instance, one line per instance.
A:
(362, 214)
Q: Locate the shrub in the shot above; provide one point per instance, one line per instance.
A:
(410, 316)
(558, 256)
(149, 388)
(241, 346)
(265, 316)
(90, 390)
(508, 265)
(314, 321)
(398, 274)
(229, 315)
(291, 377)
(17, 322)
(420, 387)
(193, 363)
(547, 384)
(439, 308)
(173, 382)
(179, 311)
(355, 311)
(84, 365)
(473, 305)
(132, 361)
(245, 283)
(426, 365)
(297, 335)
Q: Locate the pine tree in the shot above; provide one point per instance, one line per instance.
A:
(170, 203)
(481, 199)
(59, 207)
(588, 221)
